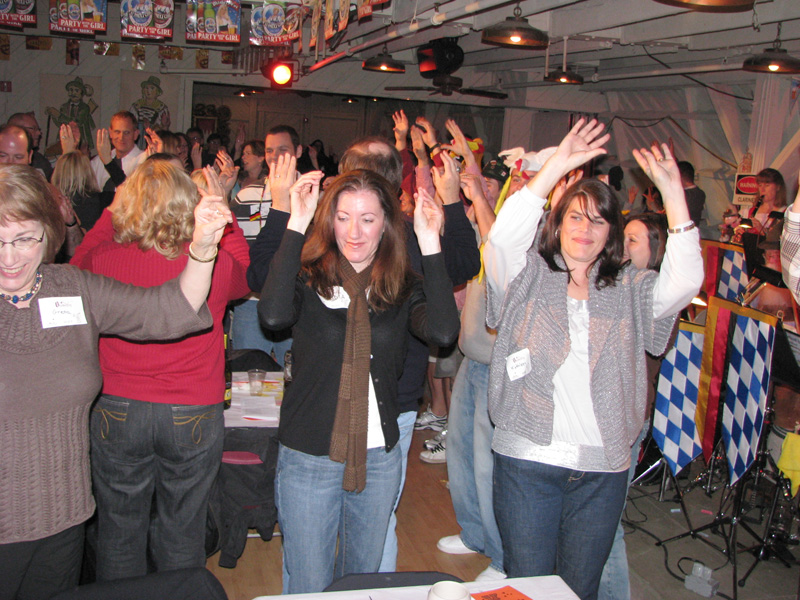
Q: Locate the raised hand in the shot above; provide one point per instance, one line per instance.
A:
(446, 180)
(583, 143)
(214, 186)
(428, 222)
(662, 169)
(428, 132)
(304, 198)
(103, 142)
(282, 175)
(211, 215)
(228, 173)
(418, 147)
(197, 156)
(68, 141)
(459, 145)
(471, 186)
(565, 182)
(400, 129)
(154, 142)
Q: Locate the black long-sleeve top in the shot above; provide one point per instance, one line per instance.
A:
(462, 261)
(309, 406)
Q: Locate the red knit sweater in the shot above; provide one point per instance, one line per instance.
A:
(188, 371)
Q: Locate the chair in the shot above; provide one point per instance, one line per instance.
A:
(368, 581)
(181, 584)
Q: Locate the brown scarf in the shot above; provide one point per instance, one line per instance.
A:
(349, 436)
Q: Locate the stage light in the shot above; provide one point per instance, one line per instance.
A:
(280, 74)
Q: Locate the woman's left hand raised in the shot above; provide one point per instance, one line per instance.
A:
(211, 215)
(428, 222)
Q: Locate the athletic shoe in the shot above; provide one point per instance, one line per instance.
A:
(437, 439)
(435, 455)
(452, 544)
(428, 420)
(490, 574)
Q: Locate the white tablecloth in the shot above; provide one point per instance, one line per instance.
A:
(536, 588)
(252, 411)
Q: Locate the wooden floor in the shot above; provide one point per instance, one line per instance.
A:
(425, 514)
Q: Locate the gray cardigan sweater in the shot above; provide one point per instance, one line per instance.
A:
(621, 328)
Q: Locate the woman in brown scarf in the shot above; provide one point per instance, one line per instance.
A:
(349, 295)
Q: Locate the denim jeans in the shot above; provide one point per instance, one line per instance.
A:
(314, 511)
(557, 520)
(405, 422)
(248, 334)
(615, 582)
(142, 449)
(470, 461)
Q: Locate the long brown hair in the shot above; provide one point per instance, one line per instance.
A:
(320, 257)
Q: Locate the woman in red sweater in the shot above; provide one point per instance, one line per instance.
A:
(157, 428)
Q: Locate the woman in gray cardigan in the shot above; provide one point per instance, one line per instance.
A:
(568, 378)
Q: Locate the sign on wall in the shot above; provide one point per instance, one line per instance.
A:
(215, 21)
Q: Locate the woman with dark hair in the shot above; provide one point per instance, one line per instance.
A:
(568, 383)
(771, 197)
(254, 168)
(52, 317)
(645, 240)
(348, 293)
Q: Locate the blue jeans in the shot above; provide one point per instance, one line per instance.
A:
(470, 461)
(405, 422)
(142, 449)
(615, 582)
(248, 334)
(556, 520)
(314, 511)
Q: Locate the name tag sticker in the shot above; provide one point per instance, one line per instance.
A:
(61, 312)
(518, 364)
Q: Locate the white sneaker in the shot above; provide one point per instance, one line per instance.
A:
(490, 574)
(428, 420)
(452, 544)
(437, 439)
(436, 455)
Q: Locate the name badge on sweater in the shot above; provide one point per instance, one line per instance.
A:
(518, 364)
(61, 312)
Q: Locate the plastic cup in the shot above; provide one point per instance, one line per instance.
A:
(448, 590)
(256, 377)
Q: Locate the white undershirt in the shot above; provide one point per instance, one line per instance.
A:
(375, 439)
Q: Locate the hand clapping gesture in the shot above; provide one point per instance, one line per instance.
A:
(103, 145)
(227, 172)
(211, 215)
(400, 130)
(304, 198)
(459, 145)
(154, 142)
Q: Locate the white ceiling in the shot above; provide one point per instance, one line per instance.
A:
(617, 45)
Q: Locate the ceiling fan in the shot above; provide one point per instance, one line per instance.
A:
(446, 85)
(438, 60)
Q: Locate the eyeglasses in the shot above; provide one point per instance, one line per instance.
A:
(25, 243)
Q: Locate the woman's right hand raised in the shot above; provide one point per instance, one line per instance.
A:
(304, 197)
(583, 143)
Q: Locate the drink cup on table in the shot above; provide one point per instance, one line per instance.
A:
(256, 377)
(448, 590)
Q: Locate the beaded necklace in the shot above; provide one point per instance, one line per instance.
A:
(14, 299)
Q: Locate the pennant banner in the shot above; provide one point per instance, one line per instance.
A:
(276, 23)
(215, 21)
(146, 19)
(16, 13)
(674, 428)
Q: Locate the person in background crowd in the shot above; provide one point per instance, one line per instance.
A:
(122, 134)
(74, 178)
(29, 123)
(695, 197)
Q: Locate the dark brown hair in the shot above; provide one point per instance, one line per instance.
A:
(597, 195)
(320, 257)
(656, 225)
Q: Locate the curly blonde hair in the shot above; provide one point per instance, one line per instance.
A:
(156, 208)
